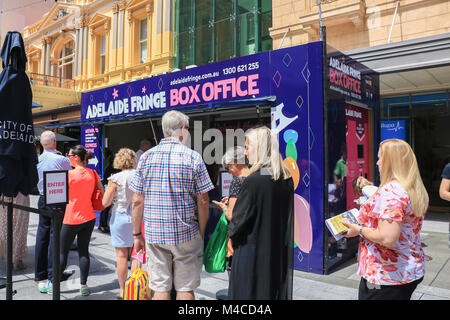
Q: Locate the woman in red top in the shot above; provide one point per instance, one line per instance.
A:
(79, 219)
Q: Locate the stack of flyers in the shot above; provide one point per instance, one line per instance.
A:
(335, 225)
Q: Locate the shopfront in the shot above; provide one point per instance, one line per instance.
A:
(415, 105)
(283, 89)
(424, 119)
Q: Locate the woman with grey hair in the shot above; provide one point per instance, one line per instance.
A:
(235, 162)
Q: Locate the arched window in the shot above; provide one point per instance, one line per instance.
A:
(65, 60)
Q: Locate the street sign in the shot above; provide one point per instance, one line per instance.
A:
(56, 187)
(91, 139)
(394, 129)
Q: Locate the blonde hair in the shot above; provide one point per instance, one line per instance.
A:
(265, 145)
(399, 162)
(125, 159)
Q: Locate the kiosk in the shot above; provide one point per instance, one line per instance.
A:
(323, 107)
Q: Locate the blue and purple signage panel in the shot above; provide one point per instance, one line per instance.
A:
(91, 139)
(291, 76)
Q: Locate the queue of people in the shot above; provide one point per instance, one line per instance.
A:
(160, 205)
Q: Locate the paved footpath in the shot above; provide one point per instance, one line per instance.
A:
(340, 285)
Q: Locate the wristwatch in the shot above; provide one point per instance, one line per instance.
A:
(137, 234)
(360, 232)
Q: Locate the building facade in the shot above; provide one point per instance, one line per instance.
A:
(214, 30)
(408, 43)
(81, 45)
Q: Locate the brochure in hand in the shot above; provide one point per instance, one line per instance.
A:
(335, 225)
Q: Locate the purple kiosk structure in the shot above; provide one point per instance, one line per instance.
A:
(324, 107)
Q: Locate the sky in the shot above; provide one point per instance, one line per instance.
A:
(17, 14)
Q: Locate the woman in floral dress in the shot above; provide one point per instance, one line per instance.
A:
(391, 259)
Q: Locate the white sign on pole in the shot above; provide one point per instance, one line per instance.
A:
(56, 187)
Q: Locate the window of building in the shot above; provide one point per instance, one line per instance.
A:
(427, 116)
(143, 41)
(395, 107)
(185, 35)
(102, 54)
(65, 60)
(100, 28)
(139, 14)
(35, 66)
(212, 30)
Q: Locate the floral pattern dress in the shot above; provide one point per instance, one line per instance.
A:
(403, 263)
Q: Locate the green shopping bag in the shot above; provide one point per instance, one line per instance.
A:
(214, 257)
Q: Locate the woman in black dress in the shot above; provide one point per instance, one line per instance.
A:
(262, 229)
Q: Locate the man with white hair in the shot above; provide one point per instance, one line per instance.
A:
(170, 180)
(49, 160)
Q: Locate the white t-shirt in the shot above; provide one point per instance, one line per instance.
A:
(124, 196)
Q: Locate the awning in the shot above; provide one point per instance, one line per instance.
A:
(56, 120)
(427, 79)
(36, 105)
(427, 52)
(408, 66)
(59, 137)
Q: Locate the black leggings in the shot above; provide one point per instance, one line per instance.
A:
(83, 233)
(369, 291)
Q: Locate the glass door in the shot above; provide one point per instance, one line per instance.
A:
(431, 141)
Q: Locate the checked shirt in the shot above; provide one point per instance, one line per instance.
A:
(170, 176)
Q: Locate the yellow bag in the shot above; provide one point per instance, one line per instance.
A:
(136, 286)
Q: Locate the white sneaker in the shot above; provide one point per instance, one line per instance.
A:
(84, 290)
(45, 287)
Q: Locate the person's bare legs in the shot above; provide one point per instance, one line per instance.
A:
(161, 295)
(185, 295)
(122, 266)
